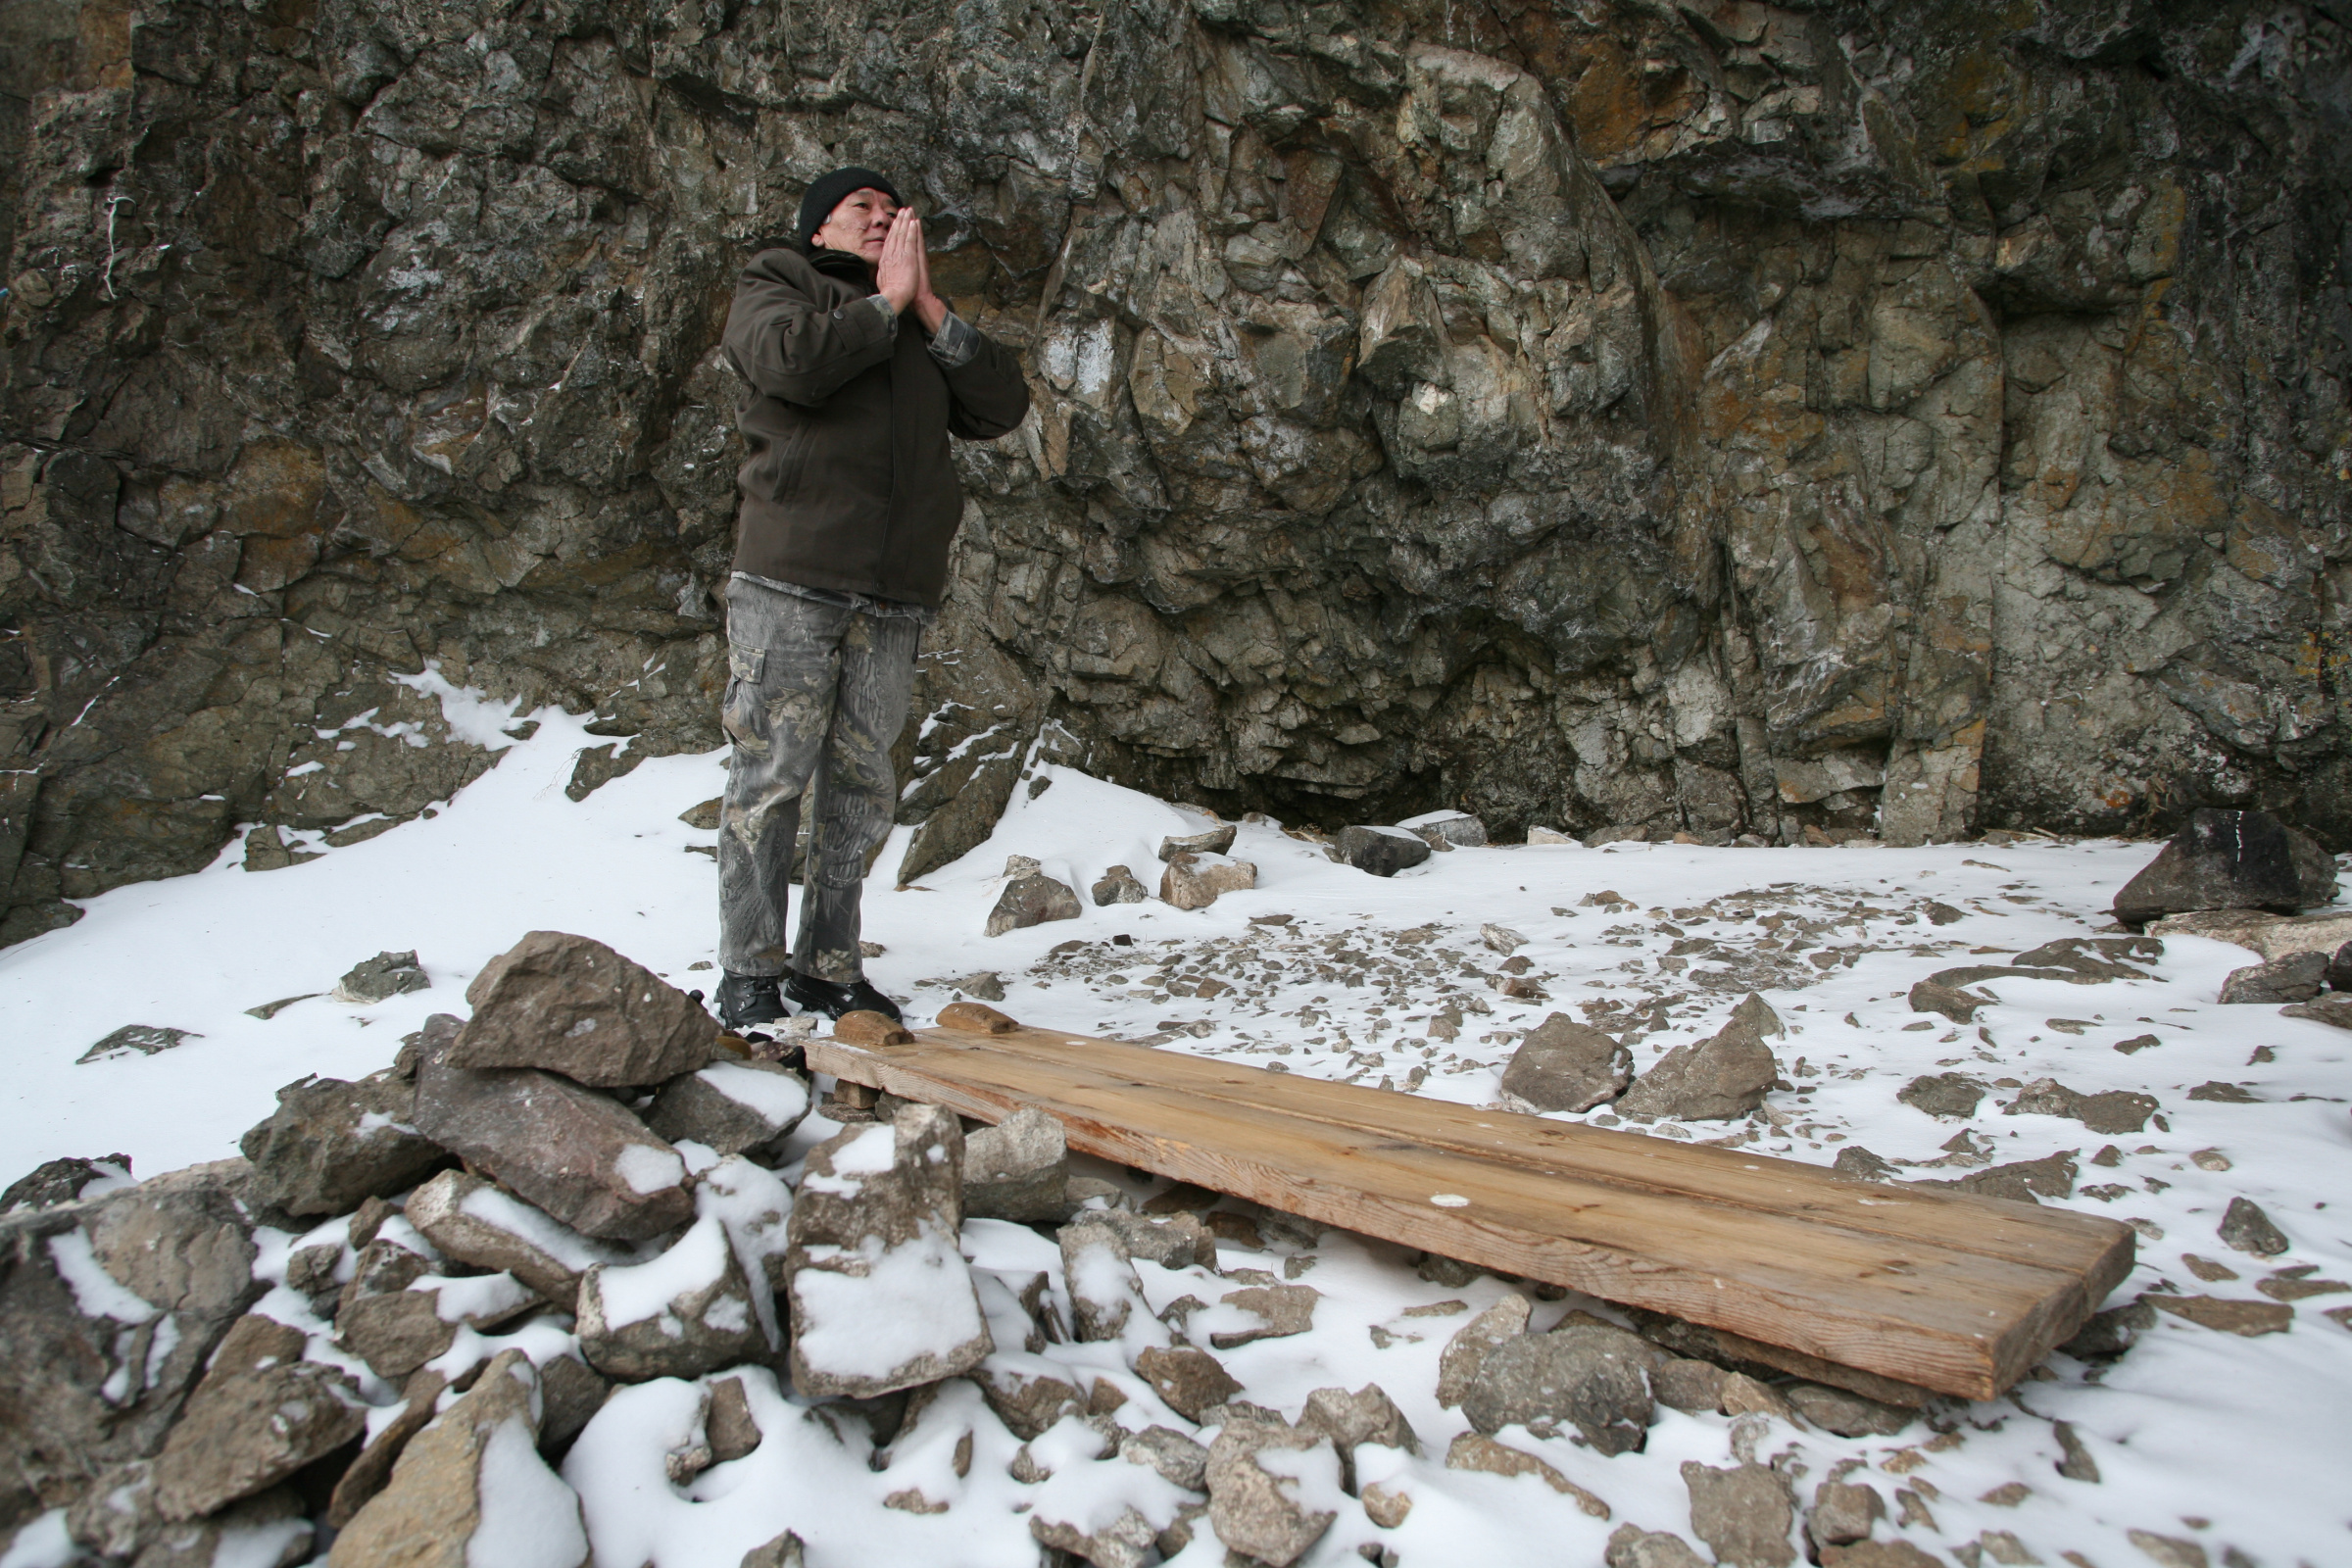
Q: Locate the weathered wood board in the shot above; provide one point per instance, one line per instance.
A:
(1939, 1290)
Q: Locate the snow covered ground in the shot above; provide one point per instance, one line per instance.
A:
(2210, 1447)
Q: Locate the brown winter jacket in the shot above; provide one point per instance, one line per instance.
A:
(849, 485)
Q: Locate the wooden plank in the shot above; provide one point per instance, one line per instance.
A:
(1945, 1291)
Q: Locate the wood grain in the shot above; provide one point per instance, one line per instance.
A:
(1939, 1290)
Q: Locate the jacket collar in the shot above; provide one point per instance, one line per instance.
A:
(847, 265)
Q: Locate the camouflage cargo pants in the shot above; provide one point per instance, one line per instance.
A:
(817, 693)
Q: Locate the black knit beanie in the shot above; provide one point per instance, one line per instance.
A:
(827, 192)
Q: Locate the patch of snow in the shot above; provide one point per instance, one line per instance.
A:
(911, 1300)
(776, 1096)
(648, 1169)
(529, 1518)
(96, 1292)
(634, 1292)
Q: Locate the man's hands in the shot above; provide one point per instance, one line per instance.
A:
(903, 276)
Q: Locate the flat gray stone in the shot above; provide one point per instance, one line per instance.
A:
(381, 978)
(476, 1223)
(2296, 977)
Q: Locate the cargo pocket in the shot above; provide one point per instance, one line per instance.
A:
(741, 715)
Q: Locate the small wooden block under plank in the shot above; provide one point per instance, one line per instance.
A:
(1945, 1291)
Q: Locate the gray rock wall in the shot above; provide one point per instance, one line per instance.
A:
(1727, 417)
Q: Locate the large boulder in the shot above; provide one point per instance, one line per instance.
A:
(1590, 1377)
(570, 1005)
(581, 1157)
(1566, 1065)
(109, 1309)
(261, 1413)
(2230, 861)
(1715, 1079)
(476, 1223)
(472, 1490)
(881, 1296)
(1381, 851)
(330, 1146)
(680, 1315)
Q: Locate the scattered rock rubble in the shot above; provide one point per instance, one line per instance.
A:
(616, 1166)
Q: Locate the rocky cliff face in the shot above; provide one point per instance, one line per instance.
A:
(1725, 417)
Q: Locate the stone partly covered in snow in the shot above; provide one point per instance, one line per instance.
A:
(381, 978)
(1018, 1169)
(1743, 1513)
(1191, 1381)
(1566, 1065)
(1218, 839)
(63, 1181)
(1120, 886)
(881, 1298)
(108, 1311)
(261, 1413)
(2230, 861)
(478, 1224)
(736, 1107)
(1031, 898)
(1273, 1490)
(1381, 851)
(1447, 830)
(1172, 1240)
(1843, 1512)
(1368, 1415)
(1715, 1079)
(471, 1488)
(2246, 1228)
(1458, 1364)
(396, 1315)
(1100, 1272)
(1474, 1450)
(1593, 1378)
(1194, 881)
(572, 1006)
(2114, 1111)
(680, 1315)
(330, 1146)
(1931, 996)
(579, 1154)
(1943, 1093)
(2296, 977)
(1279, 1310)
(1633, 1547)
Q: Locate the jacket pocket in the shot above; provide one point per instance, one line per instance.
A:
(791, 457)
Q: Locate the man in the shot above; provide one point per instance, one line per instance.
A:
(857, 374)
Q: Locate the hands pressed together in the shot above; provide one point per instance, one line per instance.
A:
(903, 276)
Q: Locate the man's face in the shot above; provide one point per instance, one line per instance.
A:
(858, 225)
